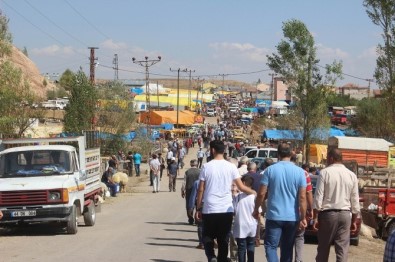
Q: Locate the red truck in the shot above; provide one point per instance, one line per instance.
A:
(339, 119)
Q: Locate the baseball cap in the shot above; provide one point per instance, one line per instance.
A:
(173, 158)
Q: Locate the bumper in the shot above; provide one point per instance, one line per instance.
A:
(42, 215)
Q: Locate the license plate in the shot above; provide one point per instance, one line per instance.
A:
(24, 213)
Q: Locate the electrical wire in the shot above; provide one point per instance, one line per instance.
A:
(56, 25)
(355, 77)
(27, 20)
(86, 20)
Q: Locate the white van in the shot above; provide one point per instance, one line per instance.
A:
(263, 153)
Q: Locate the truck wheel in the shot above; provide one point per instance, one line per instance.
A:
(354, 241)
(391, 228)
(72, 222)
(90, 214)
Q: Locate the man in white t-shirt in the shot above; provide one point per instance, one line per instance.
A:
(169, 156)
(154, 165)
(215, 185)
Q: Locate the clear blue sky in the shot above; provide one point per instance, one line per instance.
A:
(211, 37)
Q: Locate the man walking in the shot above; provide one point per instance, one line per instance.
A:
(173, 172)
(129, 159)
(200, 156)
(215, 185)
(154, 165)
(191, 175)
(137, 162)
(285, 184)
(335, 197)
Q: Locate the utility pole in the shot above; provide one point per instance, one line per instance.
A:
(157, 92)
(178, 89)
(115, 63)
(272, 87)
(92, 63)
(223, 81)
(199, 87)
(147, 63)
(189, 89)
(370, 81)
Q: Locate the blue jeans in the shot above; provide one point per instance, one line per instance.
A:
(244, 244)
(137, 167)
(283, 233)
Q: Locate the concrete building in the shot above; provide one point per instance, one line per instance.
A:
(354, 91)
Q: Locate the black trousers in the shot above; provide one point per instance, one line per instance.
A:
(217, 226)
(200, 162)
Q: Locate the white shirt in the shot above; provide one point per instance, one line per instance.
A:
(244, 223)
(243, 170)
(154, 165)
(218, 176)
(200, 154)
(337, 188)
(169, 154)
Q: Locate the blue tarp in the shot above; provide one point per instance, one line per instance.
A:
(137, 90)
(319, 134)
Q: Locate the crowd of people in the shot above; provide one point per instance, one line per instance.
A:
(230, 198)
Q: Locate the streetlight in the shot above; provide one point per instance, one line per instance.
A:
(147, 63)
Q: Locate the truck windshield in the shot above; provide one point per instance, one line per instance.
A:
(35, 163)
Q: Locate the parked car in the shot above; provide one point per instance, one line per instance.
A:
(211, 112)
(263, 153)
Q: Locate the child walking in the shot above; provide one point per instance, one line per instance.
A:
(245, 225)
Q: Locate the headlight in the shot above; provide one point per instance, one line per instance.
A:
(54, 196)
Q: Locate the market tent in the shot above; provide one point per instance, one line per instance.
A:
(318, 153)
(319, 133)
(250, 109)
(168, 117)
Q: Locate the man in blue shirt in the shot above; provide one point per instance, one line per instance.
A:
(137, 162)
(285, 184)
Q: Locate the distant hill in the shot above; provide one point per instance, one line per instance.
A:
(30, 73)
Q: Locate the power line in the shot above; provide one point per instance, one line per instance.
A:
(86, 20)
(56, 25)
(356, 77)
(27, 20)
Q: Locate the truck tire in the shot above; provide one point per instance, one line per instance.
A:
(391, 228)
(90, 215)
(72, 222)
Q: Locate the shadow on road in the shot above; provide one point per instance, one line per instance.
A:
(173, 239)
(179, 230)
(169, 245)
(164, 260)
(44, 229)
(169, 223)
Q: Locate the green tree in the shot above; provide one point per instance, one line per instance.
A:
(372, 119)
(15, 96)
(5, 37)
(334, 99)
(382, 14)
(297, 63)
(80, 112)
(115, 115)
(67, 79)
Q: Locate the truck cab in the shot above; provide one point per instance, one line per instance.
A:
(49, 182)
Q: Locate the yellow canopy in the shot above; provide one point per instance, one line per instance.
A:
(161, 117)
(318, 153)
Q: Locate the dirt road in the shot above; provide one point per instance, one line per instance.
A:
(136, 226)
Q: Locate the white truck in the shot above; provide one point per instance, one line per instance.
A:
(50, 180)
(54, 104)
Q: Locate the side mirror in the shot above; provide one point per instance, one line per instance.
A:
(82, 174)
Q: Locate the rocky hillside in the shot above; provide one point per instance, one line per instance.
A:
(30, 73)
